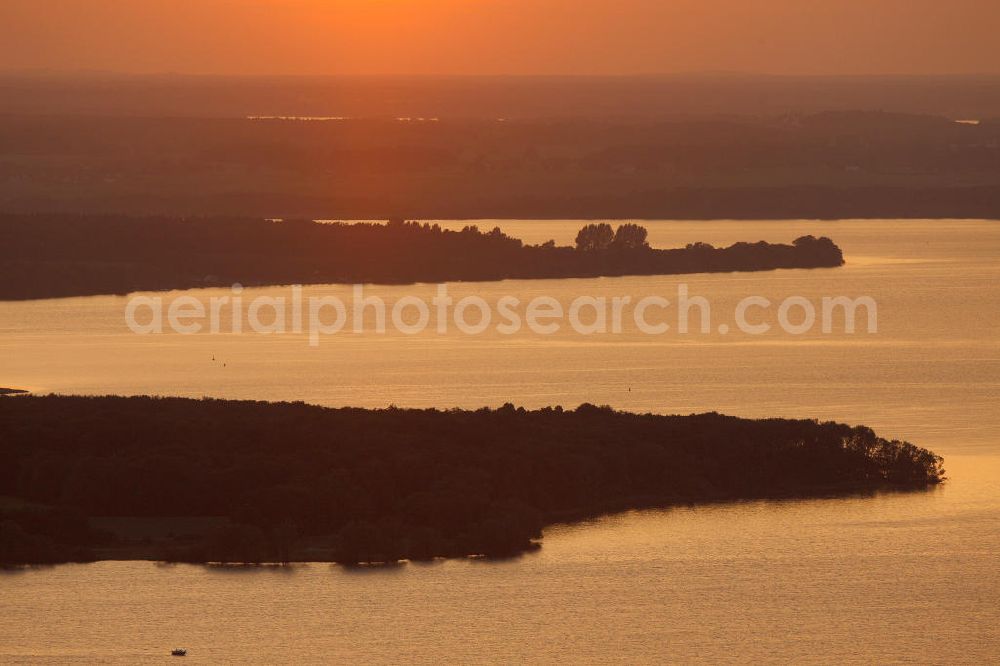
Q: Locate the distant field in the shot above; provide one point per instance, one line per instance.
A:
(825, 165)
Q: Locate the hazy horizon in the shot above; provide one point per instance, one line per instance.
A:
(494, 38)
(692, 74)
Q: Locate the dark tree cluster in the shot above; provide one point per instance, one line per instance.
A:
(628, 236)
(44, 256)
(299, 482)
(46, 535)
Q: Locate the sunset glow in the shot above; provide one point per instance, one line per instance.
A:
(501, 36)
(500, 331)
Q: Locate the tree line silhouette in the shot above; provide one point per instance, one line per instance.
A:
(43, 256)
(295, 481)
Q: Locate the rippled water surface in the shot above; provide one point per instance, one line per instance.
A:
(910, 577)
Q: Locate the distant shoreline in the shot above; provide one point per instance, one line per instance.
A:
(50, 256)
(163, 548)
(12, 391)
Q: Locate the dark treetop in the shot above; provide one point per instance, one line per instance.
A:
(293, 481)
(44, 256)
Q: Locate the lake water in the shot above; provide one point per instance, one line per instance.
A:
(909, 578)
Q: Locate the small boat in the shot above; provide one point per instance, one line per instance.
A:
(178, 652)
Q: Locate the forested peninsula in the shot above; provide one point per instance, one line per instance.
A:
(51, 256)
(214, 481)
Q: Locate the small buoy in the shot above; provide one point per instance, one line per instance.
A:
(178, 652)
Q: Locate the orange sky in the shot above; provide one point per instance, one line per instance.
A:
(502, 36)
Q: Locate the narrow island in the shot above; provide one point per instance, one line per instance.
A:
(11, 391)
(214, 481)
(51, 256)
